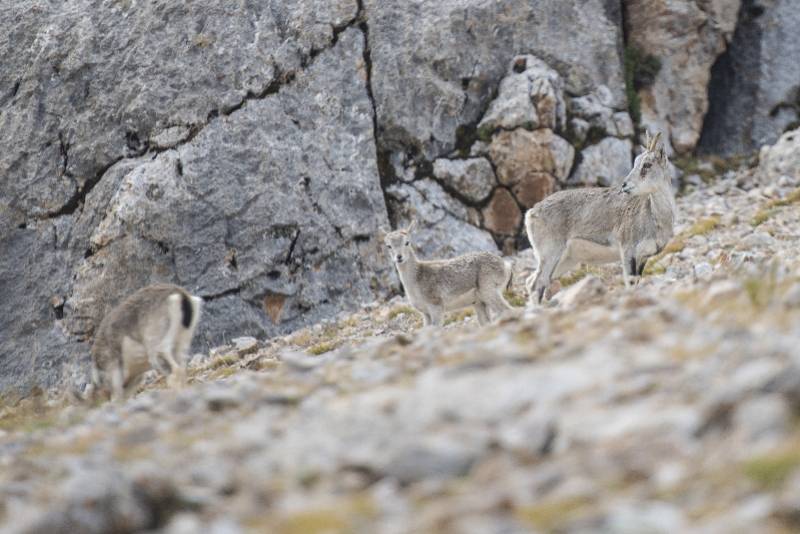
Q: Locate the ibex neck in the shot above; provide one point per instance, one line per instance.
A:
(663, 200)
(408, 269)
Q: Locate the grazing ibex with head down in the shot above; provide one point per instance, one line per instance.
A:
(152, 328)
(629, 222)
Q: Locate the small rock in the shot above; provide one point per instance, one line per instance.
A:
(533, 434)
(651, 517)
(301, 361)
(245, 345)
(757, 240)
(502, 215)
(792, 296)
(764, 417)
(703, 271)
(220, 398)
(512, 108)
(431, 458)
(520, 152)
(721, 291)
(590, 287)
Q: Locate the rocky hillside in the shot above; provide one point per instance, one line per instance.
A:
(668, 407)
(250, 150)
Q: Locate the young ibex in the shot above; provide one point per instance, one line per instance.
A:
(434, 287)
(152, 328)
(629, 222)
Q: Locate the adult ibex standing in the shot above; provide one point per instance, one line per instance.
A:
(629, 222)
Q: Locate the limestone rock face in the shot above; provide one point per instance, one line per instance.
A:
(74, 105)
(531, 96)
(502, 215)
(473, 178)
(755, 91)
(531, 161)
(686, 36)
(446, 227)
(445, 73)
(437, 62)
(605, 163)
(270, 210)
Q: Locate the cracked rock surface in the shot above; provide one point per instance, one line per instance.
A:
(269, 209)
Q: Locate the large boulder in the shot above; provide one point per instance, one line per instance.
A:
(240, 164)
(446, 73)
(446, 227)
(86, 83)
(538, 159)
(472, 178)
(782, 158)
(437, 63)
(605, 163)
(685, 37)
(755, 86)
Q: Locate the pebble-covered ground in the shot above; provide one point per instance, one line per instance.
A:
(668, 407)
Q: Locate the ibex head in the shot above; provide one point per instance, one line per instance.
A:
(650, 170)
(399, 243)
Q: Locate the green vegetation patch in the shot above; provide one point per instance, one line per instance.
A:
(772, 470)
(640, 72)
(459, 316)
(322, 347)
(517, 301)
(576, 275)
(549, 515)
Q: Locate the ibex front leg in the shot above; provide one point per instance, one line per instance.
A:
(628, 261)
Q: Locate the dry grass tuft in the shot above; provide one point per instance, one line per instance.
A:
(403, 309)
(459, 316)
(577, 275)
(770, 471)
(771, 208)
(517, 301)
(549, 514)
(678, 243)
(322, 347)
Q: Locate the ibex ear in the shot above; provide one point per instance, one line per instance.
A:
(658, 147)
(647, 140)
(382, 232)
(656, 142)
(412, 226)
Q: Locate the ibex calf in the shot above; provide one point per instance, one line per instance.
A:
(629, 222)
(152, 328)
(434, 287)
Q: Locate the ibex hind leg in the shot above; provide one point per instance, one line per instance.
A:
(481, 312)
(549, 260)
(496, 304)
(117, 376)
(436, 314)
